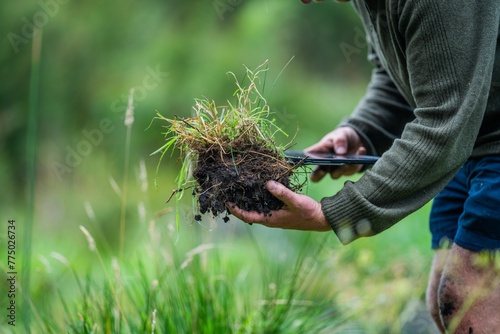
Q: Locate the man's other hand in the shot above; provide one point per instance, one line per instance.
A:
(341, 141)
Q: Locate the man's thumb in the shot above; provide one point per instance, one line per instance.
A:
(272, 185)
(278, 190)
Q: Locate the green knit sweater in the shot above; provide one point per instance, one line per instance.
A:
(432, 103)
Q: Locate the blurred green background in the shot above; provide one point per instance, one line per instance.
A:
(170, 52)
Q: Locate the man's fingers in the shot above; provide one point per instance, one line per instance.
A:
(340, 145)
(361, 150)
(345, 170)
(290, 198)
(348, 169)
(279, 191)
(246, 216)
(317, 174)
(252, 217)
(320, 171)
(337, 144)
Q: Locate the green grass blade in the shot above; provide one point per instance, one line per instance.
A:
(31, 173)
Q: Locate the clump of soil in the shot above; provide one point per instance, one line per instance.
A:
(240, 178)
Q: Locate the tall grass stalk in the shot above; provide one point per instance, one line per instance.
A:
(113, 287)
(31, 171)
(129, 120)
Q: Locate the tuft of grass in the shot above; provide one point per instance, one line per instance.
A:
(129, 121)
(244, 121)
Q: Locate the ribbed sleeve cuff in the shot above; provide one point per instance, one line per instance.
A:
(348, 224)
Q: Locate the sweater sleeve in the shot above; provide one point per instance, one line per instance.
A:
(382, 113)
(449, 49)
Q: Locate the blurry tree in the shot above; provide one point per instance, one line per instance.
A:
(170, 51)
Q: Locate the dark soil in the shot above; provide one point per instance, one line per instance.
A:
(239, 178)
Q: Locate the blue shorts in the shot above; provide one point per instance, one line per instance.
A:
(467, 211)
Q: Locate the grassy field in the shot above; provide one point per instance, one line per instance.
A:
(209, 277)
(97, 247)
(226, 278)
(106, 256)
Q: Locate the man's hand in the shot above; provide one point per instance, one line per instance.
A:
(343, 140)
(300, 212)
